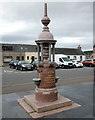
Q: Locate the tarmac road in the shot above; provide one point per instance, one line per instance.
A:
(17, 81)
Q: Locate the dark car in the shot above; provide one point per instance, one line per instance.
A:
(13, 63)
(34, 63)
(23, 65)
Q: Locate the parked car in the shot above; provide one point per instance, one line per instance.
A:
(89, 62)
(13, 63)
(77, 63)
(23, 65)
(34, 63)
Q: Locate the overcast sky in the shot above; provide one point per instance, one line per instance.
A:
(71, 23)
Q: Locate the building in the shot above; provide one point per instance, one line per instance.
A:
(93, 53)
(72, 53)
(17, 52)
(88, 54)
(29, 53)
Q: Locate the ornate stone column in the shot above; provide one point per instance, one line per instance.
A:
(53, 52)
(41, 52)
(50, 52)
(38, 49)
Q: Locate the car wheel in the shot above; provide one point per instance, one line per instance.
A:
(16, 68)
(74, 66)
(63, 67)
(21, 68)
(32, 69)
(90, 65)
(12, 67)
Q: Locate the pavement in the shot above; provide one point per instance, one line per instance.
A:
(80, 93)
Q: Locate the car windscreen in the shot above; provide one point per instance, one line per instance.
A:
(87, 60)
(66, 59)
(73, 61)
(78, 61)
(25, 63)
(15, 61)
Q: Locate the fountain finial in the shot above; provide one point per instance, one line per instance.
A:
(45, 9)
(45, 21)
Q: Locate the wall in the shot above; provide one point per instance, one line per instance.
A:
(93, 52)
(77, 57)
(13, 54)
(30, 54)
(1, 63)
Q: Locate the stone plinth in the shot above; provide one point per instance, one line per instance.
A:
(46, 95)
(38, 109)
(42, 107)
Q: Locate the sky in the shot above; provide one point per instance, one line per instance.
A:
(71, 23)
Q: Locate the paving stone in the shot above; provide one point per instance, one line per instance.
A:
(7, 111)
(21, 94)
(79, 93)
(13, 103)
(21, 112)
(11, 97)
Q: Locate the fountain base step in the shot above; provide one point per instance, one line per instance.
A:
(39, 109)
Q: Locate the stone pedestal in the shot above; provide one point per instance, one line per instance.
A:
(46, 95)
(38, 109)
(46, 90)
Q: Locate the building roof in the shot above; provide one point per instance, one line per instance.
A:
(22, 47)
(69, 51)
(33, 48)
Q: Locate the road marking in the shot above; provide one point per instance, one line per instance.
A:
(7, 71)
(4, 70)
(14, 71)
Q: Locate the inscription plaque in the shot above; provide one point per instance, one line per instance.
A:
(47, 76)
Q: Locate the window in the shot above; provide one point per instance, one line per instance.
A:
(80, 58)
(39, 58)
(32, 58)
(7, 48)
(18, 58)
(69, 57)
(7, 59)
(22, 57)
(60, 59)
(87, 60)
(94, 60)
(27, 57)
(75, 57)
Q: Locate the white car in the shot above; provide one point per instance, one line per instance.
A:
(77, 63)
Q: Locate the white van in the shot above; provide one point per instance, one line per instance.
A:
(63, 61)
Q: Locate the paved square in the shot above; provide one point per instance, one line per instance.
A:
(79, 93)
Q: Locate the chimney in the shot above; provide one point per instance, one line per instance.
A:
(79, 47)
